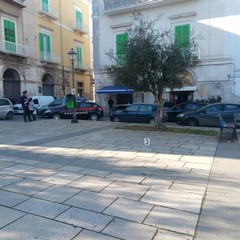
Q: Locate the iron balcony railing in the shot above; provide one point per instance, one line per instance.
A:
(112, 4)
(116, 6)
(14, 48)
(49, 57)
(81, 28)
(19, 3)
(81, 66)
(47, 11)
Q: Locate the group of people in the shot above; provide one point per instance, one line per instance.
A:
(214, 100)
(29, 110)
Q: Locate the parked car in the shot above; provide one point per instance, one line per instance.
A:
(207, 116)
(6, 109)
(84, 110)
(137, 113)
(182, 107)
(38, 102)
(59, 102)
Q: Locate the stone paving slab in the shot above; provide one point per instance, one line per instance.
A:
(125, 189)
(173, 199)
(57, 193)
(129, 210)
(32, 227)
(167, 235)
(7, 179)
(174, 220)
(27, 187)
(91, 201)
(8, 215)
(85, 219)
(42, 208)
(129, 230)
(10, 199)
(89, 235)
(90, 183)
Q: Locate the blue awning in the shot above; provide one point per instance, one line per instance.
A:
(114, 90)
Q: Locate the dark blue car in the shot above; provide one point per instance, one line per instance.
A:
(137, 113)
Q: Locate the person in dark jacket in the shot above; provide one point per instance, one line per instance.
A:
(25, 103)
(110, 105)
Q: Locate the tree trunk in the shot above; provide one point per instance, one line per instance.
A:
(159, 112)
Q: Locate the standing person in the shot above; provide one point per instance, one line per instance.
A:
(219, 99)
(25, 103)
(32, 109)
(110, 104)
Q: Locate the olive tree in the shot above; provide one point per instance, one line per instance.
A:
(150, 60)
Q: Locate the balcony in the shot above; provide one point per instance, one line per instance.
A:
(18, 3)
(47, 12)
(14, 49)
(113, 7)
(46, 57)
(80, 67)
(80, 28)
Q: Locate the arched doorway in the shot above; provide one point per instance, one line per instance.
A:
(11, 84)
(48, 85)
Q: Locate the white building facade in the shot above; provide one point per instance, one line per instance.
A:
(215, 21)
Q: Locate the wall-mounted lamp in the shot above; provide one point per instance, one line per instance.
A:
(39, 89)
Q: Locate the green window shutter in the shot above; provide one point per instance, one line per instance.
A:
(9, 35)
(121, 41)
(79, 19)
(182, 36)
(48, 47)
(44, 4)
(45, 46)
(79, 57)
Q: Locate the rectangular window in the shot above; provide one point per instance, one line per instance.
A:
(80, 89)
(182, 36)
(79, 57)
(121, 47)
(45, 46)
(44, 6)
(78, 19)
(9, 35)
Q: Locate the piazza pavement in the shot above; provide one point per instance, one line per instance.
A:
(93, 181)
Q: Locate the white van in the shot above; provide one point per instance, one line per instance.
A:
(38, 101)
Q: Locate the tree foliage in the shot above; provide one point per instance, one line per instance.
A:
(152, 61)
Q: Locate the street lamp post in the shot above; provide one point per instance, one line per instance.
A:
(72, 57)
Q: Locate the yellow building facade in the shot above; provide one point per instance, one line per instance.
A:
(48, 29)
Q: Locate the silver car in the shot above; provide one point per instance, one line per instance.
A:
(6, 109)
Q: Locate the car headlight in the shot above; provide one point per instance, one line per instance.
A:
(180, 115)
(47, 111)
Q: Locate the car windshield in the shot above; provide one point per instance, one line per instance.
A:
(56, 102)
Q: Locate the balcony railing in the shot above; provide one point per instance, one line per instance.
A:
(80, 28)
(81, 67)
(18, 3)
(120, 6)
(14, 48)
(48, 57)
(47, 11)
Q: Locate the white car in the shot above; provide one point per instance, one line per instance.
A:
(38, 101)
(6, 109)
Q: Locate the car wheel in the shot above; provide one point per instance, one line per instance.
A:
(151, 121)
(56, 116)
(192, 122)
(116, 119)
(9, 116)
(94, 117)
